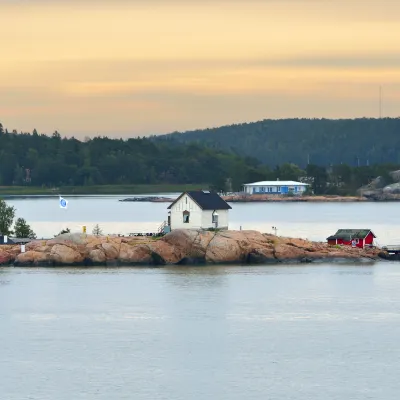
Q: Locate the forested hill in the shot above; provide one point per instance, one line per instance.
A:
(319, 141)
(36, 159)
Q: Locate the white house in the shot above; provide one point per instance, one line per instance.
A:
(198, 210)
(275, 187)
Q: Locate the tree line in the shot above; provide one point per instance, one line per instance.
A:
(51, 161)
(324, 142)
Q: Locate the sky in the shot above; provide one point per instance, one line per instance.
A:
(124, 68)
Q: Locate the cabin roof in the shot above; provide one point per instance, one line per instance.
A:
(276, 183)
(13, 240)
(348, 234)
(205, 200)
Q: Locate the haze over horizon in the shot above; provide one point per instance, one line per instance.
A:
(140, 67)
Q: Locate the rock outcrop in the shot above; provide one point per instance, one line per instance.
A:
(177, 247)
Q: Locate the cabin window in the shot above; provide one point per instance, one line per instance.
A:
(186, 215)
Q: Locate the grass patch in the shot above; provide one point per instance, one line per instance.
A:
(98, 189)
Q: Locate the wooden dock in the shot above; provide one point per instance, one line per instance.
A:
(394, 249)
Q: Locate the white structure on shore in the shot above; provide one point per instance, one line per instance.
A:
(198, 210)
(275, 187)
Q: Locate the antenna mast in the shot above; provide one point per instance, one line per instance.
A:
(380, 102)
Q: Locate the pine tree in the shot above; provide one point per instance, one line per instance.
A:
(97, 231)
(23, 230)
(67, 230)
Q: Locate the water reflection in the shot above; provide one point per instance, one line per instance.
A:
(226, 332)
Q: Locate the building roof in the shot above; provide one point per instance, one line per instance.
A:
(205, 200)
(348, 234)
(13, 240)
(276, 183)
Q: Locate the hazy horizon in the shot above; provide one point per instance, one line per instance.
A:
(116, 135)
(131, 68)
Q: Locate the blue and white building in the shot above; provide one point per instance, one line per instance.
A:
(275, 187)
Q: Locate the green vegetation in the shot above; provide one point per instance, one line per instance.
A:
(97, 231)
(21, 228)
(62, 232)
(356, 142)
(344, 155)
(7, 214)
(345, 180)
(32, 159)
(98, 189)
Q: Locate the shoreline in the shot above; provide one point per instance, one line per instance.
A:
(122, 190)
(261, 199)
(256, 198)
(152, 190)
(180, 247)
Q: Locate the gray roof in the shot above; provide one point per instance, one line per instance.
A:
(206, 200)
(348, 234)
(13, 240)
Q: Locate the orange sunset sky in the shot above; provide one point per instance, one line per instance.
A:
(126, 68)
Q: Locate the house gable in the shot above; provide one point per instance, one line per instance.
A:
(184, 203)
(205, 200)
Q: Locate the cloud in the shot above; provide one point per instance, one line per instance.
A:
(337, 61)
(85, 66)
(125, 68)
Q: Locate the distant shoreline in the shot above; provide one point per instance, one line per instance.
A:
(130, 191)
(256, 198)
(260, 199)
(97, 190)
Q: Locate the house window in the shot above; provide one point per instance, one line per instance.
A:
(215, 217)
(186, 215)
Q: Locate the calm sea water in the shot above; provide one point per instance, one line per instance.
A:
(306, 220)
(231, 333)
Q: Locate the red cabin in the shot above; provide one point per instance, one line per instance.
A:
(352, 237)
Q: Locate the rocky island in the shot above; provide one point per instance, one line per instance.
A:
(180, 247)
(153, 199)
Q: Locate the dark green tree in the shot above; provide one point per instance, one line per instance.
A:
(67, 230)
(7, 214)
(97, 231)
(319, 178)
(23, 230)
